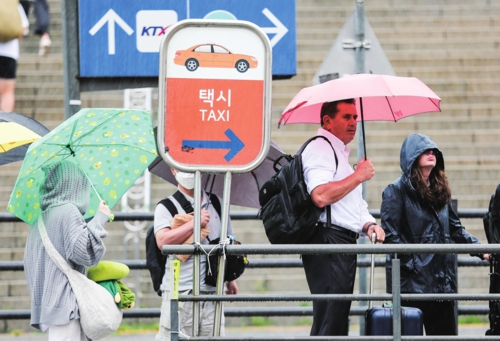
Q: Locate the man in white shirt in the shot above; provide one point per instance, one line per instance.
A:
(340, 187)
(165, 235)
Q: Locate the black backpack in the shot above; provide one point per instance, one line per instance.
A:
(288, 213)
(491, 222)
(155, 260)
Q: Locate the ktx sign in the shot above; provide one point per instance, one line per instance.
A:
(215, 79)
(121, 38)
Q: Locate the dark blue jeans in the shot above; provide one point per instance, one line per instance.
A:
(42, 16)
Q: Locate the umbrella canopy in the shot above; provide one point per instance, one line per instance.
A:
(16, 132)
(378, 98)
(244, 186)
(111, 146)
(13, 135)
(383, 98)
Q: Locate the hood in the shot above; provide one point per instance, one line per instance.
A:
(64, 183)
(412, 147)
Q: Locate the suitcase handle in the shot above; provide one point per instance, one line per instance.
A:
(372, 270)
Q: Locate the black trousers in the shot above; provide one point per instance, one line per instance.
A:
(330, 274)
(439, 316)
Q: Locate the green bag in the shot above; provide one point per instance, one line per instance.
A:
(107, 271)
(12, 25)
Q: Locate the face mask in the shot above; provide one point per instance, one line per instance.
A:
(186, 180)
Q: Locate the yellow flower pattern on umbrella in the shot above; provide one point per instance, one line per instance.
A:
(112, 146)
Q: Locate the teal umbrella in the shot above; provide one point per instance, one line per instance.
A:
(113, 147)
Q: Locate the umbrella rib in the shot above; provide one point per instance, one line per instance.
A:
(90, 131)
(112, 145)
(437, 106)
(255, 178)
(95, 128)
(65, 156)
(390, 107)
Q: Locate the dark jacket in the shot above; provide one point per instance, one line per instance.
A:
(407, 219)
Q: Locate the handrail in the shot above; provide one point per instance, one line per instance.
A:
(140, 264)
(317, 249)
(6, 217)
(25, 314)
(295, 263)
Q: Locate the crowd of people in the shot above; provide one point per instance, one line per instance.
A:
(416, 209)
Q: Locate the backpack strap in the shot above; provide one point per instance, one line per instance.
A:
(181, 199)
(186, 205)
(169, 205)
(328, 207)
(327, 140)
(216, 203)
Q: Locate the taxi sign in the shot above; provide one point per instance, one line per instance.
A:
(215, 95)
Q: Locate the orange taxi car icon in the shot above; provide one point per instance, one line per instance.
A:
(213, 55)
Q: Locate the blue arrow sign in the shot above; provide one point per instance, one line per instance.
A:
(121, 38)
(235, 145)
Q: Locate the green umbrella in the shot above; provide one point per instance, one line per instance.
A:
(112, 146)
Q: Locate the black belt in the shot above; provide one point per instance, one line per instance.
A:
(350, 233)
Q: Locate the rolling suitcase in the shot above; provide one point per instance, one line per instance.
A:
(378, 320)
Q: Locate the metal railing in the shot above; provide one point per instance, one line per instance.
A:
(295, 263)
(6, 217)
(395, 297)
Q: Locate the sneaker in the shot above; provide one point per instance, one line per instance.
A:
(45, 44)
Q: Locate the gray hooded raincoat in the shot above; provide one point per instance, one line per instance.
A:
(64, 199)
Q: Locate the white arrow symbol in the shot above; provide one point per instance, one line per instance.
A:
(111, 18)
(279, 30)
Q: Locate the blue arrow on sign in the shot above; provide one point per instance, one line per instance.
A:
(235, 145)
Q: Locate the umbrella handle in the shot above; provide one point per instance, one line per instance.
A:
(363, 126)
(91, 184)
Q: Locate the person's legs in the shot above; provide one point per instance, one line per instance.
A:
(164, 326)
(207, 316)
(42, 25)
(42, 16)
(330, 274)
(67, 332)
(7, 97)
(185, 317)
(439, 317)
(8, 67)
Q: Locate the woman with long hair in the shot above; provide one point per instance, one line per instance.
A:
(416, 209)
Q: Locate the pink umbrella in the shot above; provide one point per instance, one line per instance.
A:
(378, 98)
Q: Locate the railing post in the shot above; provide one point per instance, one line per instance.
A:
(396, 300)
(175, 267)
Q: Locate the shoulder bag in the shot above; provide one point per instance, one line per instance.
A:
(99, 314)
(11, 27)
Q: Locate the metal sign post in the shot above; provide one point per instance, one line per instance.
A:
(214, 110)
(360, 46)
